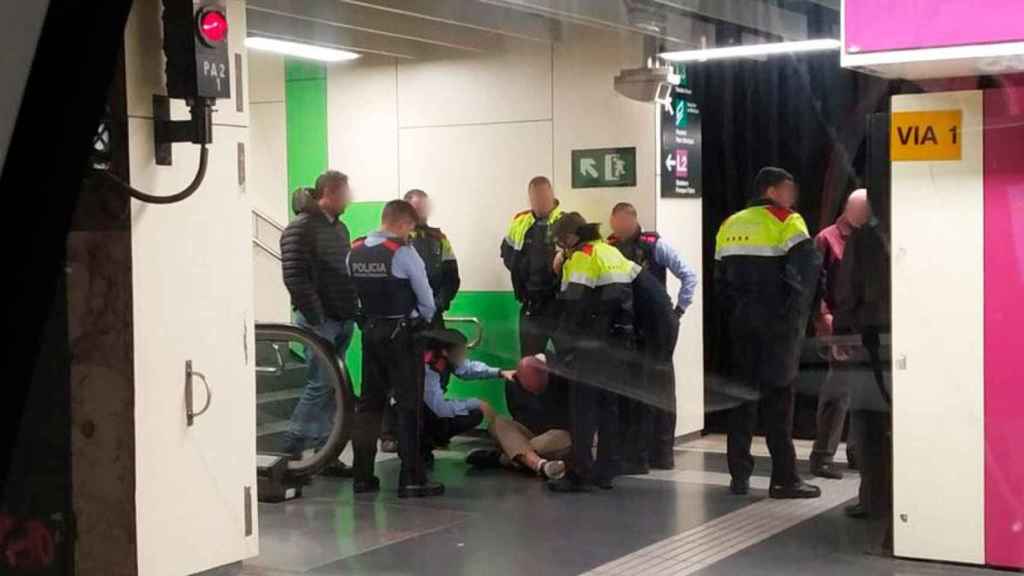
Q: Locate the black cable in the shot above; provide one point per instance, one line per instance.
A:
(173, 198)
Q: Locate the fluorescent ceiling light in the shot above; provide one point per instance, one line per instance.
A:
(307, 51)
(748, 50)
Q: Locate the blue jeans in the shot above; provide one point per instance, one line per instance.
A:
(312, 419)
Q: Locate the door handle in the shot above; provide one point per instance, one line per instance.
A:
(190, 375)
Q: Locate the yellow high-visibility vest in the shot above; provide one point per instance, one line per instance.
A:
(521, 224)
(760, 231)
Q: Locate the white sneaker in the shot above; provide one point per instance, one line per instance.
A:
(552, 469)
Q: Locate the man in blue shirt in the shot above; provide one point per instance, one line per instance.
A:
(396, 302)
(649, 433)
(445, 418)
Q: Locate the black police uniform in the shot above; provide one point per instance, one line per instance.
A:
(442, 268)
(443, 274)
(648, 433)
(536, 287)
(392, 363)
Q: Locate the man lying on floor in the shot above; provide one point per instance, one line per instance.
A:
(446, 355)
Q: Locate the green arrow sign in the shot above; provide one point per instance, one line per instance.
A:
(604, 168)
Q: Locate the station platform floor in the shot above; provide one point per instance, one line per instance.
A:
(498, 522)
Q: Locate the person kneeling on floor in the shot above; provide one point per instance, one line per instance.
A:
(542, 451)
(446, 355)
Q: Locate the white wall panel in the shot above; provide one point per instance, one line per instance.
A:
(589, 113)
(268, 179)
(477, 177)
(510, 84)
(266, 77)
(192, 299)
(679, 223)
(272, 302)
(938, 398)
(362, 126)
(267, 157)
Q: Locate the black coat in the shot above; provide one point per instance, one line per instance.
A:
(314, 250)
(767, 300)
(657, 330)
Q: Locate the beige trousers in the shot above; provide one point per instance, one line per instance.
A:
(516, 440)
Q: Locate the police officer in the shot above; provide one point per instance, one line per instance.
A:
(436, 251)
(766, 275)
(528, 252)
(649, 432)
(593, 346)
(397, 302)
(442, 272)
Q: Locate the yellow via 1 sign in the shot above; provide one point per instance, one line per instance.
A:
(925, 136)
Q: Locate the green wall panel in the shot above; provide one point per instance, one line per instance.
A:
(306, 123)
(499, 314)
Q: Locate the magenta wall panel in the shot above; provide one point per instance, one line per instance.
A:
(1004, 326)
(877, 25)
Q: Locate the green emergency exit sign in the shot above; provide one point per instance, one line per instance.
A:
(604, 167)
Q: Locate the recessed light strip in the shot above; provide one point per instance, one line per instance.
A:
(748, 50)
(299, 50)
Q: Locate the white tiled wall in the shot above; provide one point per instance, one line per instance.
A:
(938, 373)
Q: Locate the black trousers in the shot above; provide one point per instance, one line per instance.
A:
(439, 431)
(648, 433)
(392, 365)
(776, 406)
(833, 407)
(874, 435)
(636, 428)
(593, 409)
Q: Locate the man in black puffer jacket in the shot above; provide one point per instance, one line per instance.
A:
(314, 249)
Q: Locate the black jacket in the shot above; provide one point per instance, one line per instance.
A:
(766, 279)
(442, 267)
(313, 261)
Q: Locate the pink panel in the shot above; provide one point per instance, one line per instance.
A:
(876, 25)
(1004, 327)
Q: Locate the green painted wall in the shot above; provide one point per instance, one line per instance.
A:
(306, 123)
(499, 314)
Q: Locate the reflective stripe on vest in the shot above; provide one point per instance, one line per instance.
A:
(598, 264)
(766, 231)
(522, 223)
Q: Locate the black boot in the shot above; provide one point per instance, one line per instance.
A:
(796, 491)
(422, 487)
(570, 483)
(365, 428)
(740, 486)
(825, 469)
(367, 486)
(484, 458)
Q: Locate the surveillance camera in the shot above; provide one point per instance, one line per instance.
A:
(647, 84)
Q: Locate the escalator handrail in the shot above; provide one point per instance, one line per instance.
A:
(475, 341)
(339, 380)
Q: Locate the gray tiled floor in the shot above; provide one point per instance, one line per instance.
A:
(498, 522)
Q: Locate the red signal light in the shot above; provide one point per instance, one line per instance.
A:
(213, 27)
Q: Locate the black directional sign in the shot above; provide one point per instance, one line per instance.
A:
(680, 145)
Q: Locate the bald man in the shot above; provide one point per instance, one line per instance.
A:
(834, 397)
